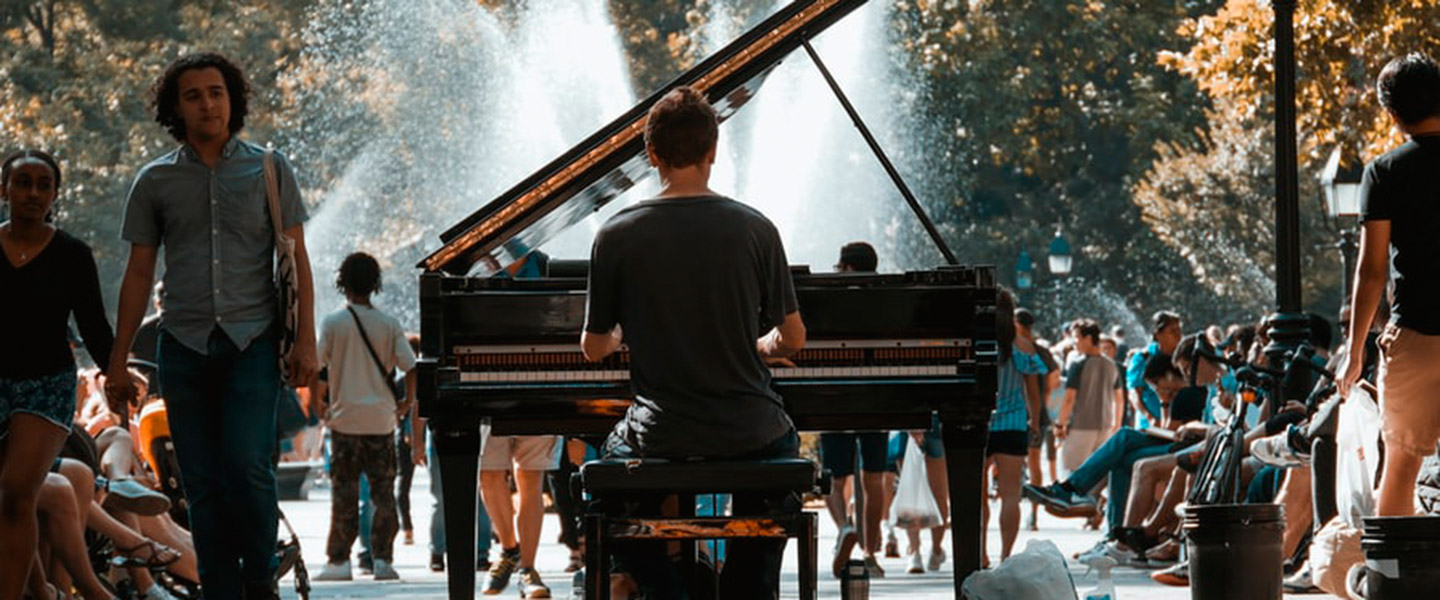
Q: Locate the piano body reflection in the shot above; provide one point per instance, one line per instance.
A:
(885, 351)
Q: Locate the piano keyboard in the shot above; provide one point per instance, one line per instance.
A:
(775, 372)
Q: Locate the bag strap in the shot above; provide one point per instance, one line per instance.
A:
(272, 196)
(384, 375)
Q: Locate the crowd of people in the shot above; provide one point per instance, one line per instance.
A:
(1124, 430)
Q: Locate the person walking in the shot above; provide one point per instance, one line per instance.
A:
(205, 203)
(47, 276)
(1401, 238)
(360, 347)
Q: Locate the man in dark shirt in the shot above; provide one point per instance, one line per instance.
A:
(1401, 239)
(693, 279)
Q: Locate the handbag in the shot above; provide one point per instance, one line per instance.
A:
(287, 282)
(397, 387)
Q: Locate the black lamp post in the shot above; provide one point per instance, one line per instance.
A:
(1289, 327)
(1340, 181)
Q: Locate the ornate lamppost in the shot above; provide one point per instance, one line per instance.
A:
(1340, 182)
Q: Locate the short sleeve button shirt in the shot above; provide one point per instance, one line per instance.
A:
(218, 243)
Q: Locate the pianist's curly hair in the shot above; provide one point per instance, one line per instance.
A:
(165, 94)
(359, 275)
(681, 128)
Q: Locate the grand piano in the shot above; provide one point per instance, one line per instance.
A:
(885, 351)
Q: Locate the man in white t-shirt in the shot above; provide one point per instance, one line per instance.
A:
(360, 349)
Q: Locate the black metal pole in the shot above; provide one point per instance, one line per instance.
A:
(1289, 327)
(884, 160)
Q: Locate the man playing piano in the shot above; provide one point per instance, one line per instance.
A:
(693, 279)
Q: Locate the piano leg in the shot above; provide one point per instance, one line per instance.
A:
(458, 451)
(964, 464)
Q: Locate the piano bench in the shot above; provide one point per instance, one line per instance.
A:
(611, 481)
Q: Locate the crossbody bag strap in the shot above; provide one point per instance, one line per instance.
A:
(272, 196)
(384, 375)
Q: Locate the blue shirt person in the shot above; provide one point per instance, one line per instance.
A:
(205, 203)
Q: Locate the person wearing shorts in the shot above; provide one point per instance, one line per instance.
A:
(1399, 243)
(528, 457)
(1016, 413)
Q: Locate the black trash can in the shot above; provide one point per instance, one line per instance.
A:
(1402, 556)
(1235, 551)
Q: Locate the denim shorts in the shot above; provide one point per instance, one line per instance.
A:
(51, 397)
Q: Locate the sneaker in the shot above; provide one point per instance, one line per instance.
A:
(1275, 450)
(133, 497)
(1301, 582)
(531, 586)
(892, 546)
(1060, 500)
(335, 572)
(937, 558)
(913, 564)
(409, 537)
(365, 563)
(500, 573)
(873, 568)
(1122, 556)
(384, 571)
(844, 544)
(437, 562)
(577, 562)
(1177, 575)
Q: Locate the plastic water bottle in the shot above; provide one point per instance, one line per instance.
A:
(1105, 588)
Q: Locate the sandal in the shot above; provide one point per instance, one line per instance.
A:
(158, 556)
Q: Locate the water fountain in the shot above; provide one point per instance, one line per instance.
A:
(423, 110)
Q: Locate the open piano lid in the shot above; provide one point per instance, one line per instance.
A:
(611, 161)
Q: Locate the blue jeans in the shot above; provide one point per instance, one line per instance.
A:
(753, 567)
(437, 511)
(1116, 459)
(221, 408)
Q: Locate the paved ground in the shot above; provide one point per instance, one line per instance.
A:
(311, 519)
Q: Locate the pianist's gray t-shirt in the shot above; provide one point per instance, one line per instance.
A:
(693, 282)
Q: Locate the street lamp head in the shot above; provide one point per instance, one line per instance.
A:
(1060, 258)
(1340, 179)
(1024, 271)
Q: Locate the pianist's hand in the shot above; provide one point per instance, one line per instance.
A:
(779, 361)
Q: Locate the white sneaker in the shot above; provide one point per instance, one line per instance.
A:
(937, 558)
(384, 571)
(335, 572)
(1122, 556)
(873, 568)
(913, 564)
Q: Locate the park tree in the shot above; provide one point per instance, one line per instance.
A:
(77, 75)
(1214, 203)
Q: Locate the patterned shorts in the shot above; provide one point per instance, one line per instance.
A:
(51, 397)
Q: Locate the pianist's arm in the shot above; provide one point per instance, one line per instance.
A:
(597, 346)
(785, 340)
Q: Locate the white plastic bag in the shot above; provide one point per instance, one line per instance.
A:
(1038, 573)
(914, 506)
(1357, 448)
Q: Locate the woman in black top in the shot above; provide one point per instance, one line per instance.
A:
(45, 277)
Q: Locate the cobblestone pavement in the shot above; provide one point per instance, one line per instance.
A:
(311, 520)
